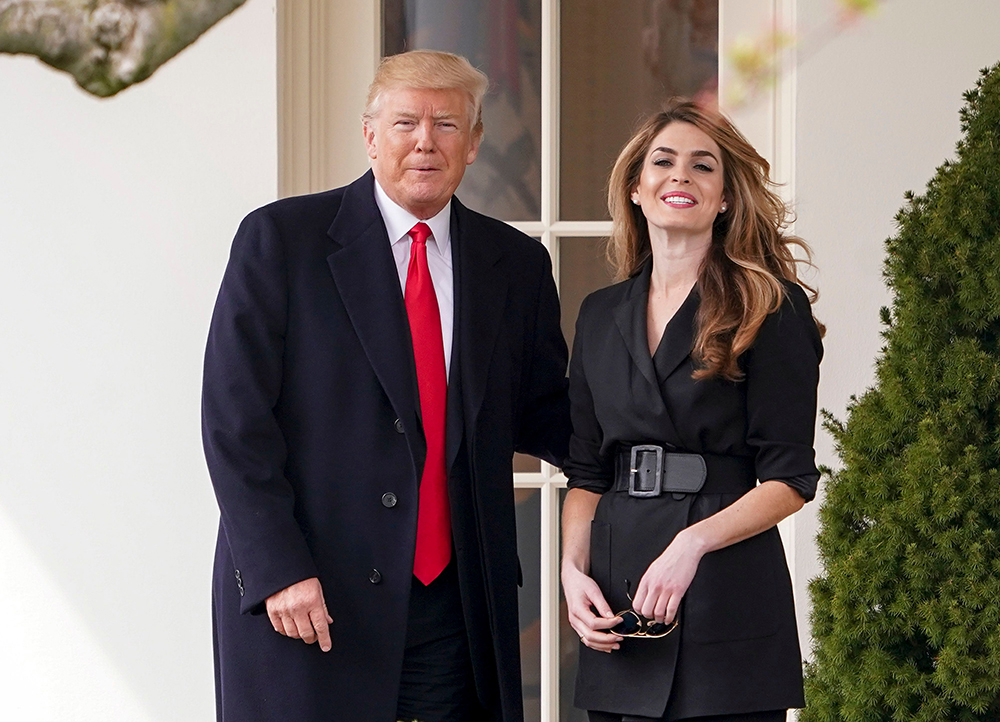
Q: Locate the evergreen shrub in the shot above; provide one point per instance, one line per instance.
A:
(906, 616)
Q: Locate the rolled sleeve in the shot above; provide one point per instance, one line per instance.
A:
(585, 468)
(782, 376)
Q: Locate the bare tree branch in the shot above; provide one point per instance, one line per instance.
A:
(106, 45)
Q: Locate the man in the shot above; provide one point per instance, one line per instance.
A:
(376, 355)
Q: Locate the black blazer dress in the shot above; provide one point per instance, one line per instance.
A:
(736, 649)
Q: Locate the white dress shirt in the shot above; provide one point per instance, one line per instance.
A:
(398, 222)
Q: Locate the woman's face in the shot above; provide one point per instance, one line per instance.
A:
(680, 188)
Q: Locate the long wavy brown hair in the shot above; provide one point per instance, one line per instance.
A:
(740, 279)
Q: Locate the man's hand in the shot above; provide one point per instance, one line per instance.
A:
(299, 612)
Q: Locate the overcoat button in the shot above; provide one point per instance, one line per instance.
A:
(399, 426)
(374, 577)
(389, 500)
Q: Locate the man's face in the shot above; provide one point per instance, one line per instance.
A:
(420, 143)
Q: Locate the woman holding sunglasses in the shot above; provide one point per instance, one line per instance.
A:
(693, 388)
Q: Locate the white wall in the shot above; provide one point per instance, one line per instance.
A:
(115, 223)
(876, 113)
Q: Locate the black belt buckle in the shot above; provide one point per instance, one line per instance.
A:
(642, 468)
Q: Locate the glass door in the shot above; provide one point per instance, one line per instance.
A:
(570, 80)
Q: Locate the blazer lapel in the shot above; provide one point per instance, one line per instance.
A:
(482, 296)
(366, 277)
(630, 317)
(678, 337)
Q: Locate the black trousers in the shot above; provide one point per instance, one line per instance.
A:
(437, 684)
(778, 715)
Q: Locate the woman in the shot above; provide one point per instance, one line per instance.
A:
(691, 380)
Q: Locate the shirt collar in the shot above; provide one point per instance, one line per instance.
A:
(399, 221)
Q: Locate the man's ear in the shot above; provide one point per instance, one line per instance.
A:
(477, 138)
(370, 145)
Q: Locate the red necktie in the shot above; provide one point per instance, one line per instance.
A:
(433, 550)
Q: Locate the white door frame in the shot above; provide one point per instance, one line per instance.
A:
(327, 54)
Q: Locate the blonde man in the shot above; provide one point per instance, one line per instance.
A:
(377, 354)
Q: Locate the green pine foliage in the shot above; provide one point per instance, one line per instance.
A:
(906, 616)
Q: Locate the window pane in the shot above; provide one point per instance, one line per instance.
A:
(528, 507)
(569, 653)
(582, 269)
(526, 464)
(503, 38)
(620, 60)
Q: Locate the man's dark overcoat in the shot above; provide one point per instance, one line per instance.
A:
(313, 439)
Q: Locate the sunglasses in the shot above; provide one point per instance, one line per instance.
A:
(637, 626)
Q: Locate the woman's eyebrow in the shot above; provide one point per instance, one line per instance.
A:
(694, 153)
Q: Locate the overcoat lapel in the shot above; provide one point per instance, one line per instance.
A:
(456, 427)
(366, 277)
(482, 298)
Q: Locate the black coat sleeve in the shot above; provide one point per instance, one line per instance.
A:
(544, 426)
(782, 375)
(244, 444)
(585, 467)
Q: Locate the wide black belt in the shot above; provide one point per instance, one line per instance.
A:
(649, 470)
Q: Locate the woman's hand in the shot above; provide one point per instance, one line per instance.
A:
(583, 596)
(667, 579)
